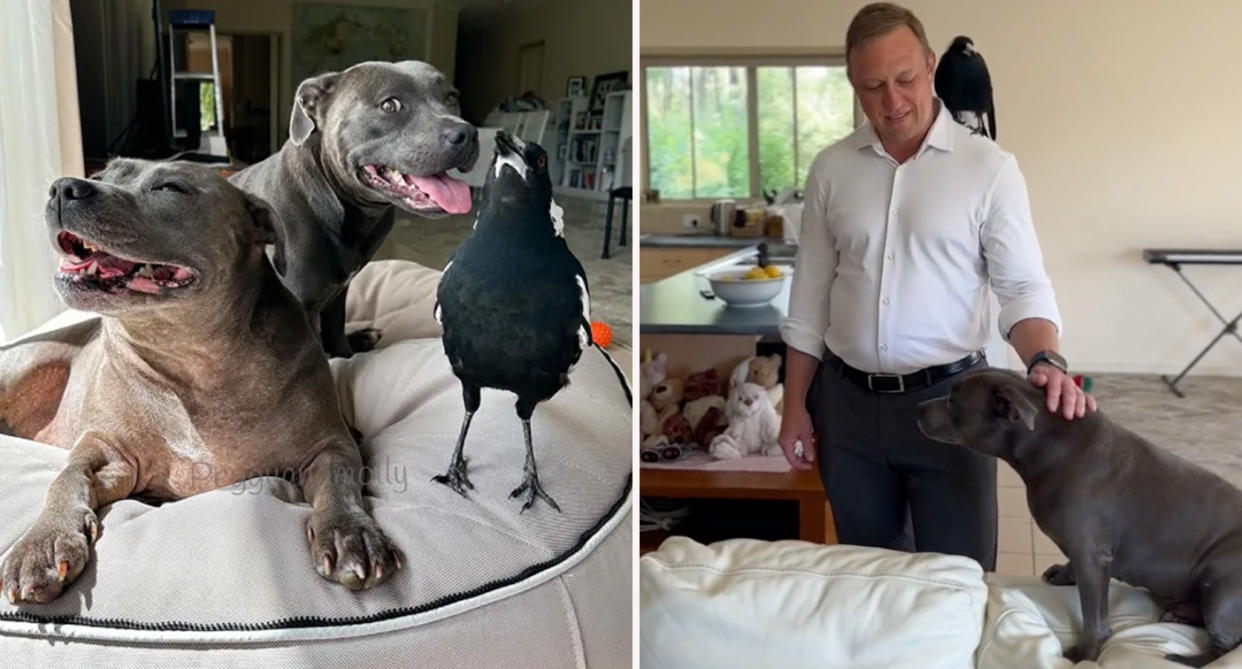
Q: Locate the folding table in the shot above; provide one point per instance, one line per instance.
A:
(1174, 259)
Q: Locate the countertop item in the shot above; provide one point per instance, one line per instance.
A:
(677, 305)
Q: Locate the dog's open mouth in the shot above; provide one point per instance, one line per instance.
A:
(87, 266)
(421, 193)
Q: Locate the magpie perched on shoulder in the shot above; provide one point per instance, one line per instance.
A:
(963, 83)
(514, 303)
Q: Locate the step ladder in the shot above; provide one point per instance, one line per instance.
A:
(212, 142)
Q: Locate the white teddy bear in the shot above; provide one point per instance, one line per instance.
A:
(753, 425)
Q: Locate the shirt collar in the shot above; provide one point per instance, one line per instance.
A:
(940, 135)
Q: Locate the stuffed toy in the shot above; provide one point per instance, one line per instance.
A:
(667, 394)
(706, 417)
(673, 425)
(652, 373)
(702, 384)
(656, 448)
(762, 370)
(753, 425)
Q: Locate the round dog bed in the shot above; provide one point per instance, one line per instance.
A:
(225, 577)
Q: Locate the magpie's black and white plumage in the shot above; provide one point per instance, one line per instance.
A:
(963, 83)
(514, 302)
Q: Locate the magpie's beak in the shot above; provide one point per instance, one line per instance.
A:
(506, 145)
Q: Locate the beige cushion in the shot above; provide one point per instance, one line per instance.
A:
(396, 296)
(229, 569)
(1030, 624)
(791, 604)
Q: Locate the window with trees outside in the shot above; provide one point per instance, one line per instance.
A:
(737, 128)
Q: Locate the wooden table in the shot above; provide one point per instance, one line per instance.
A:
(801, 485)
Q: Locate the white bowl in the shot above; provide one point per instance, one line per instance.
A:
(729, 286)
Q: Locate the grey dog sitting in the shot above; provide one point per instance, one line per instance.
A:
(361, 142)
(1116, 505)
(202, 372)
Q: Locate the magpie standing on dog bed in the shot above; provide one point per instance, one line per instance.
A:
(963, 83)
(513, 302)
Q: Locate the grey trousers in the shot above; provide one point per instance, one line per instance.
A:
(892, 487)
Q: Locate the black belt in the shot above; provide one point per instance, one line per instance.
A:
(901, 383)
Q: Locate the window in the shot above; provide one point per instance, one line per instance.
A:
(733, 129)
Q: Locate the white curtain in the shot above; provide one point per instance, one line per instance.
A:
(40, 140)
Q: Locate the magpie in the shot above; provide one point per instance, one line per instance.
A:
(963, 83)
(514, 303)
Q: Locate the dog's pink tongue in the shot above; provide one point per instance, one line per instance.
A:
(452, 195)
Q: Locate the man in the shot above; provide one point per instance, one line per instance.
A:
(906, 224)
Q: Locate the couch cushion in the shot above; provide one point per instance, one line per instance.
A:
(746, 603)
(230, 567)
(1031, 624)
(396, 296)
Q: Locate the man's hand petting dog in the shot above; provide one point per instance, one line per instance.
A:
(1061, 394)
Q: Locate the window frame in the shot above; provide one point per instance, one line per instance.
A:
(750, 62)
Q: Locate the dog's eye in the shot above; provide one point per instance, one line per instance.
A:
(391, 105)
(170, 186)
(542, 162)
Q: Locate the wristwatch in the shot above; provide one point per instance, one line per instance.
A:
(1051, 357)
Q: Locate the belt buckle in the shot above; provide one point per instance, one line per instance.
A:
(901, 383)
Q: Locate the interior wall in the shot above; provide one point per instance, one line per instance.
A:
(581, 38)
(1123, 115)
(276, 16)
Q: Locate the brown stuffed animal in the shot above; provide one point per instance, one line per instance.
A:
(706, 416)
(667, 394)
(702, 384)
(674, 426)
(765, 371)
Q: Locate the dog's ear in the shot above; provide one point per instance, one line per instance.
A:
(309, 104)
(265, 228)
(1013, 405)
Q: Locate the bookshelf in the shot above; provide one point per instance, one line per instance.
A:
(593, 145)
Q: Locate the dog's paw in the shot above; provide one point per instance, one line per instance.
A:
(351, 550)
(50, 556)
(1059, 574)
(364, 340)
(773, 449)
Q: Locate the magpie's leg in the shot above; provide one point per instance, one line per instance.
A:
(455, 477)
(530, 483)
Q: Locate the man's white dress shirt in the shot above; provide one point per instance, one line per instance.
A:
(895, 261)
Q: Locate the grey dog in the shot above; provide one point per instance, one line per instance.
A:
(202, 372)
(1116, 505)
(361, 141)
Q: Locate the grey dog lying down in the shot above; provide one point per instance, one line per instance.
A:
(1116, 505)
(202, 362)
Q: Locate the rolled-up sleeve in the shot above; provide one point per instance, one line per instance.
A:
(1011, 249)
(814, 268)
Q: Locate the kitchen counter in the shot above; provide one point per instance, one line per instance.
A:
(675, 305)
(706, 240)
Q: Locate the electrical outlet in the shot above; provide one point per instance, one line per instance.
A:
(690, 221)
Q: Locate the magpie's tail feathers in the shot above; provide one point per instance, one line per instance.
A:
(625, 384)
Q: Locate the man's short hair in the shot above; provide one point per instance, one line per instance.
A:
(881, 18)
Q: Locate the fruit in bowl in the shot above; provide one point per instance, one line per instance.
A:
(751, 288)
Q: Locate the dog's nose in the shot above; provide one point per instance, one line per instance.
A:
(68, 188)
(460, 134)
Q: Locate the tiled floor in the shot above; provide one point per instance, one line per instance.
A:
(1022, 550)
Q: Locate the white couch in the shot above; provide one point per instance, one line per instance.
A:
(792, 604)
